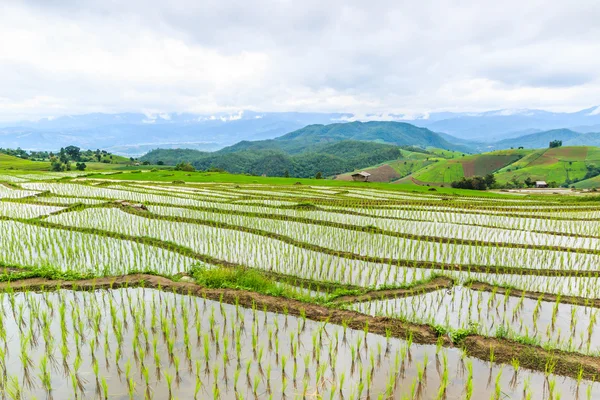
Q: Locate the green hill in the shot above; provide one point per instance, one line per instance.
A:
(307, 138)
(407, 163)
(561, 165)
(446, 171)
(327, 158)
(540, 140)
(588, 183)
(12, 162)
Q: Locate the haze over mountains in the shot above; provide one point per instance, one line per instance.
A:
(137, 133)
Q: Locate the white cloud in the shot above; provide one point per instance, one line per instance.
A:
(381, 57)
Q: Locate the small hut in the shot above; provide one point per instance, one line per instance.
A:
(361, 176)
(541, 184)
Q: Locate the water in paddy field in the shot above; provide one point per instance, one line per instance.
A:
(132, 343)
(568, 327)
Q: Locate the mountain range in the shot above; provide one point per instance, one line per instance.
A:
(136, 133)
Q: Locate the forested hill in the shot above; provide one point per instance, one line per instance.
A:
(305, 139)
(329, 149)
(329, 159)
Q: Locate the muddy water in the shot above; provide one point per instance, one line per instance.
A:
(211, 350)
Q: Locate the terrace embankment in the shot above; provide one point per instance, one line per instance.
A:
(485, 348)
(431, 286)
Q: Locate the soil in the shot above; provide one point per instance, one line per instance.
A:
(504, 351)
(385, 173)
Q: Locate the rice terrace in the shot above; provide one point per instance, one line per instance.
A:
(191, 286)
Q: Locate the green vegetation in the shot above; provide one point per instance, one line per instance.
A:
(331, 149)
(328, 159)
(564, 165)
(255, 288)
(476, 182)
(70, 158)
(444, 172)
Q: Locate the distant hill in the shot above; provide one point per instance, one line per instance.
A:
(444, 172)
(12, 162)
(136, 133)
(561, 165)
(305, 139)
(496, 125)
(330, 149)
(542, 139)
(327, 158)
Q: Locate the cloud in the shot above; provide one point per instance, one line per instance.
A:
(381, 57)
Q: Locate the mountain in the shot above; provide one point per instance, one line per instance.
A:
(396, 133)
(446, 171)
(543, 139)
(135, 134)
(492, 126)
(327, 158)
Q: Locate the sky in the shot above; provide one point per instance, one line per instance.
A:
(61, 57)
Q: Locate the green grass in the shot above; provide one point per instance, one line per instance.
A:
(170, 176)
(407, 167)
(15, 163)
(450, 154)
(552, 165)
(447, 171)
(118, 163)
(588, 183)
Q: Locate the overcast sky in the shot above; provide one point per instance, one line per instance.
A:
(62, 57)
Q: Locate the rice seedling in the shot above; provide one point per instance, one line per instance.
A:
(518, 270)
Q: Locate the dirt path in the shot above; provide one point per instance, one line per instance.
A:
(504, 351)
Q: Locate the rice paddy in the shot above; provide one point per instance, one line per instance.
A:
(144, 290)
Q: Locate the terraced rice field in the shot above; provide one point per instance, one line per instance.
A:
(116, 290)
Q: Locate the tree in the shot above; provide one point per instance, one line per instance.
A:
(56, 165)
(555, 143)
(184, 166)
(490, 180)
(80, 166)
(160, 163)
(286, 173)
(73, 152)
(319, 175)
(528, 182)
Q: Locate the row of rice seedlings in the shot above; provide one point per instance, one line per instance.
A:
(208, 240)
(590, 228)
(135, 343)
(11, 178)
(86, 191)
(10, 193)
(379, 245)
(30, 245)
(553, 325)
(217, 197)
(243, 248)
(66, 200)
(351, 271)
(293, 261)
(212, 192)
(422, 228)
(24, 210)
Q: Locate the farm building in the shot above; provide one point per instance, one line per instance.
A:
(361, 176)
(541, 184)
